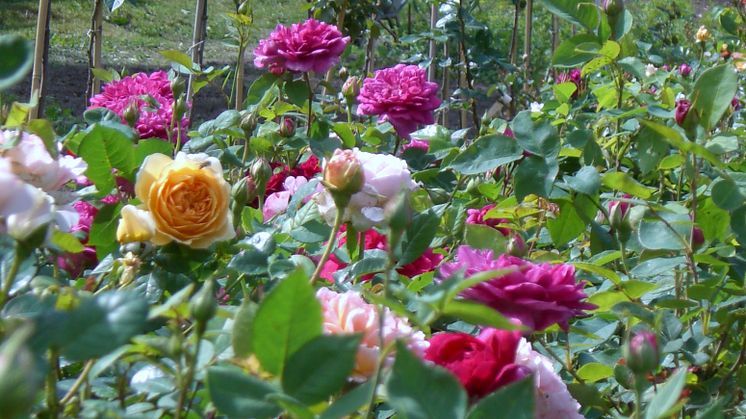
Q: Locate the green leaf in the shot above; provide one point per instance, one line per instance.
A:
(534, 176)
(418, 236)
(586, 181)
(259, 88)
(594, 371)
(666, 397)
(567, 226)
(727, 195)
(514, 401)
(18, 56)
(480, 236)
(297, 92)
(656, 235)
(350, 402)
(419, 391)
(675, 138)
(576, 51)
(320, 367)
(103, 235)
(712, 94)
(238, 394)
(623, 182)
(477, 314)
(178, 57)
(105, 147)
(243, 326)
(539, 138)
(577, 12)
(103, 323)
(67, 242)
(564, 91)
(288, 317)
(145, 148)
(485, 154)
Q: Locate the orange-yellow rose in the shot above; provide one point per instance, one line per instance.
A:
(184, 199)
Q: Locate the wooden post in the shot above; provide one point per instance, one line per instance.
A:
(40, 48)
(527, 39)
(555, 33)
(431, 53)
(514, 35)
(94, 48)
(199, 32)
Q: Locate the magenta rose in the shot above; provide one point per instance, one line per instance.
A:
(152, 95)
(482, 364)
(400, 95)
(478, 216)
(538, 296)
(302, 47)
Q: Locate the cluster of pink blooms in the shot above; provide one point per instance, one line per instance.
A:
(497, 358)
(348, 313)
(573, 76)
(537, 296)
(427, 262)
(153, 97)
(311, 46)
(400, 95)
(282, 185)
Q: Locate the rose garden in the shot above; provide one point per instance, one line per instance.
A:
(410, 209)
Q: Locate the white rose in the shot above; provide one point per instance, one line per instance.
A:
(24, 224)
(384, 177)
(15, 195)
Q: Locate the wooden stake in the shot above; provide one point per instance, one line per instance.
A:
(199, 32)
(431, 54)
(527, 40)
(40, 46)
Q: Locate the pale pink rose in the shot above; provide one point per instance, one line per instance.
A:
(277, 202)
(144, 91)
(348, 313)
(384, 177)
(23, 225)
(15, 195)
(32, 162)
(552, 399)
(303, 47)
(400, 95)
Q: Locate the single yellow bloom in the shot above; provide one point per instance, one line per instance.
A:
(136, 225)
(703, 34)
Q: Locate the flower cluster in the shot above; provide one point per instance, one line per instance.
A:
(348, 313)
(32, 193)
(384, 177)
(184, 199)
(427, 262)
(537, 296)
(400, 95)
(302, 47)
(150, 94)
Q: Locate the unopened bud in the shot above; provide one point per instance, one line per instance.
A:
(641, 352)
(261, 171)
(203, 304)
(179, 108)
(698, 238)
(613, 8)
(131, 114)
(351, 88)
(343, 173)
(287, 127)
(244, 191)
(703, 35)
(177, 86)
(248, 123)
(682, 110)
(517, 246)
(343, 73)
(244, 8)
(685, 70)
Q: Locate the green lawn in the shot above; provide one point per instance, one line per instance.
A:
(135, 32)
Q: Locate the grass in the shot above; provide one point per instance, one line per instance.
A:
(137, 31)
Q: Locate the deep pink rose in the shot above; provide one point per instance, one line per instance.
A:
(573, 76)
(416, 145)
(152, 95)
(400, 95)
(735, 104)
(477, 216)
(302, 47)
(536, 295)
(682, 110)
(482, 364)
(75, 263)
(623, 206)
(427, 262)
(685, 70)
(86, 213)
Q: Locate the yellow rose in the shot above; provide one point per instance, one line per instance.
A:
(184, 199)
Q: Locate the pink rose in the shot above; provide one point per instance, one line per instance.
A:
(400, 95)
(302, 47)
(477, 216)
(277, 202)
(348, 313)
(416, 145)
(153, 97)
(482, 364)
(551, 397)
(538, 296)
(16, 196)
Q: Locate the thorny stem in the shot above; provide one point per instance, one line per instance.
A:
(310, 103)
(76, 385)
(329, 244)
(187, 379)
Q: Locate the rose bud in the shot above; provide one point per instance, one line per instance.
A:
(698, 238)
(343, 73)
(517, 246)
(244, 191)
(685, 70)
(351, 88)
(682, 109)
(724, 51)
(613, 8)
(248, 123)
(203, 304)
(131, 114)
(177, 86)
(261, 171)
(703, 35)
(343, 173)
(641, 352)
(287, 128)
